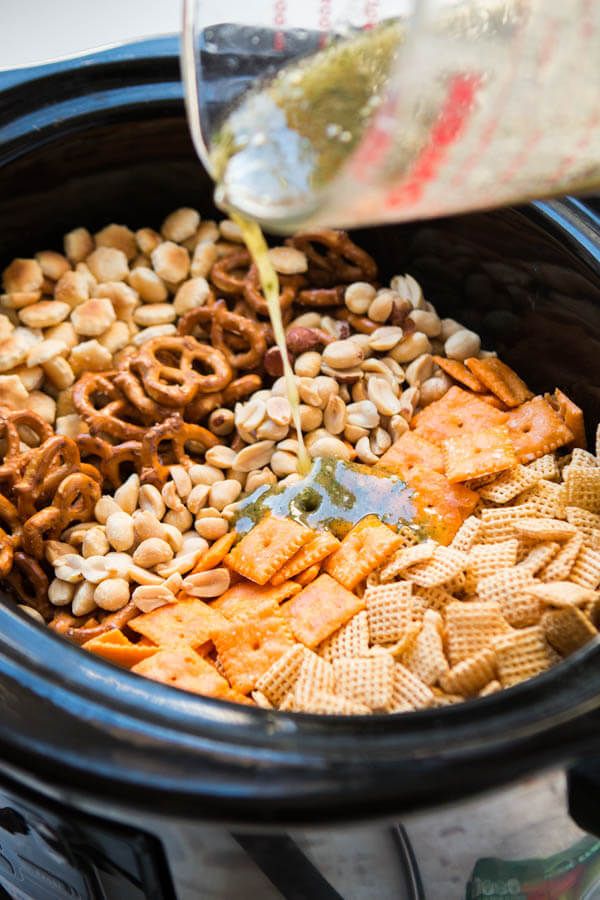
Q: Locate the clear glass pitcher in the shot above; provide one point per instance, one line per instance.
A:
(348, 113)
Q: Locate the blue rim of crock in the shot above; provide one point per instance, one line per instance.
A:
(145, 744)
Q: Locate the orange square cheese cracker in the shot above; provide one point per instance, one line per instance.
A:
(308, 575)
(500, 380)
(216, 553)
(485, 452)
(183, 668)
(492, 400)
(266, 547)
(363, 549)
(322, 545)
(320, 609)
(410, 451)
(456, 413)
(442, 507)
(571, 415)
(116, 648)
(187, 623)
(243, 598)
(536, 429)
(457, 370)
(248, 648)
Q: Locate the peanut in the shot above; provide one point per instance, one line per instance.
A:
(358, 297)
(211, 527)
(462, 344)
(60, 593)
(119, 530)
(83, 599)
(128, 493)
(152, 552)
(112, 594)
(150, 500)
(207, 584)
(342, 354)
(94, 543)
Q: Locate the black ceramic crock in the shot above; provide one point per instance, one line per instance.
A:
(103, 138)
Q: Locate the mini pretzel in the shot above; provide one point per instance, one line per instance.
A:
(169, 369)
(202, 407)
(289, 285)
(360, 323)
(133, 390)
(128, 453)
(74, 501)
(30, 584)
(341, 262)
(45, 525)
(75, 630)
(47, 466)
(12, 456)
(176, 433)
(241, 388)
(199, 316)
(26, 418)
(76, 498)
(6, 554)
(10, 532)
(227, 324)
(94, 450)
(104, 408)
(228, 274)
(318, 297)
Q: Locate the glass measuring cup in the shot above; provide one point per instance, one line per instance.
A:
(458, 105)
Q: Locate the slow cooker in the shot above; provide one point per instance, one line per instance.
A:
(112, 786)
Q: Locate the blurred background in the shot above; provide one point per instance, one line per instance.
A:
(36, 30)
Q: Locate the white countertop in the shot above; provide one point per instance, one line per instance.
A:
(33, 31)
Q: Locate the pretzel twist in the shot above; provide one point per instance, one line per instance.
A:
(30, 584)
(127, 453)
(165, 444)
(228, 274)
(104, 408)
(289, 285)
(47, 466)
(340, 262)
(169, 369)
(76, 630)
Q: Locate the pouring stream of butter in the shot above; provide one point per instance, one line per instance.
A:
(259, 251)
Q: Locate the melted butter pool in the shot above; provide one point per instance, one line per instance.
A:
(334, 496)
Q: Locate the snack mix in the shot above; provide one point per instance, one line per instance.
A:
(141, 403)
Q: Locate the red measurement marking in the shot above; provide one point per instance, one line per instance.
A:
(568, 161)
(587, 20)
(520, 159)
(376, 144)
(453, 117)
(548, 44)
(371, 14)
(324, 20)
(279, 21)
